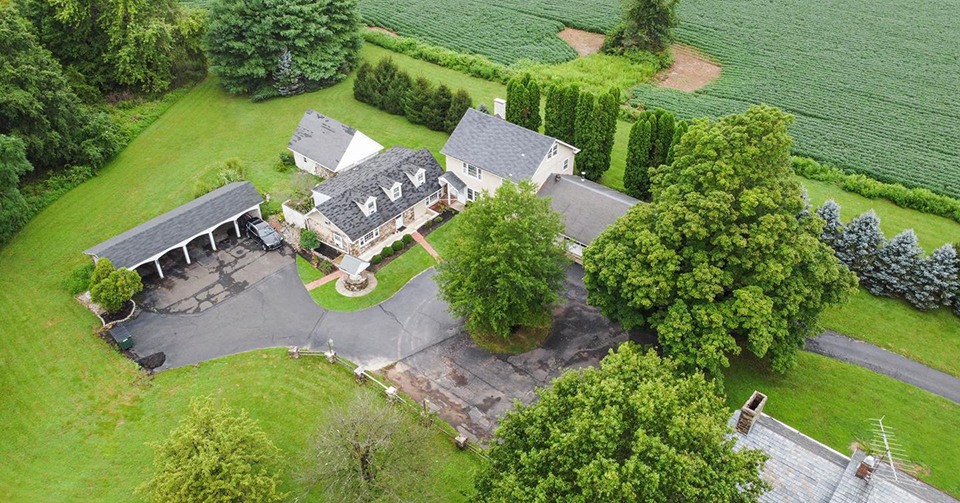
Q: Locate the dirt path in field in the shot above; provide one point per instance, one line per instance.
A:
(585, 42)
(383, 30)
(690, 70)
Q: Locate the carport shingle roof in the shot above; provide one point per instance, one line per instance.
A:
(587, 208)
(166, 231)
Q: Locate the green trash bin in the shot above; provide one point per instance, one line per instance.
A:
(122, 337)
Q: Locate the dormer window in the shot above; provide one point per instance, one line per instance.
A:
(420, 178)
(371, 206)
(397, 192)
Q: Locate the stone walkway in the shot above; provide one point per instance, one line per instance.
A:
(324, 280)
(423, 242)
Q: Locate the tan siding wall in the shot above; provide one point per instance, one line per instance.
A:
(554, 165)
(488, 181)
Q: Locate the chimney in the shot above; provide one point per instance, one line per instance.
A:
(750, 412)
(866, 467)
(500, 108)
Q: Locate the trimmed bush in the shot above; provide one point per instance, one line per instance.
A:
(103, 269)
(116, 289)
(309, 240)
(437, 220)
(387, 251)
(407, 239)
(397, 246)
(376, 259)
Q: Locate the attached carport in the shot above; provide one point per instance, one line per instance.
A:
(174, 229)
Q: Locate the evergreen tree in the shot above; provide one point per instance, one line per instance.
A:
(646, 25)
(663, 138)
(523, 102)
(287, 79)
(896, 265)
(833, 226)
(458, 106)
(678, 132)
(935, 281)
(857, 247)
(418, 100)
(393, 101)
(554, 122)
(608, 108)
(435, 113)
(532, 110)
(103, 269)
(245, 39)
(587, 137)
(515, 100)
(636, 177)
(571, 95)
(383, 76)
(362, 89)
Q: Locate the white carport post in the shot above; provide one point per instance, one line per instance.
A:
(159, 270)
(236, 227)
(186, 254)
(259, 213)
(213, 243)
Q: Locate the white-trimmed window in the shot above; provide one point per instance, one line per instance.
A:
(397, 192)
(471, 194)
(566, 164)
(554, 151)
(337, 240)
(370, 236)
(471, 170)
(432, 198)
(371, 206)
(421, 177)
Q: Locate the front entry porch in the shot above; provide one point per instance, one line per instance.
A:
(408, 228)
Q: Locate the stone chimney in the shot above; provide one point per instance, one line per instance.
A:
(866, 468)
(750, 412)
(500, 108)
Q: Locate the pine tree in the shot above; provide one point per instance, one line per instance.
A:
(393, 100)
(523, 102)
(936, 280)
(532, 96)
(435, 114)
(859, 244)
(361, 86)
(571, 95)
(418, 100)
(664, 137)
(458, 106)
(554, 124)
(636, 178)
(678, 131)
(515, 100)
(286, 79)
(587, 138)
(833, 226)
(897, 264)
(609, 110)
(383, 76)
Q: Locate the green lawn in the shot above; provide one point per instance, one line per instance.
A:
(307, 272)
(390, 279)
(441, 238)
(832, 401)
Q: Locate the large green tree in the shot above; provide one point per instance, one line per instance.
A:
(506, 266)
(214, 455)
(247, 43)
(726, 255)
(13, 206)
(523, 102)
(588, 137)
(646, 25)
(634, 430)
(120, 44)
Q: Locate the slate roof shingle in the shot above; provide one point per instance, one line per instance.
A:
(321, 139)
(368, 179)
(160, 234)
(587, 208)
(497, 146)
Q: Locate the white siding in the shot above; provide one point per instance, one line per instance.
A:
(361, 148)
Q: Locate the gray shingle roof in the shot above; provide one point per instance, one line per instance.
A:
(181, 223)
(495, 145)
(587, 208)
(454, 180)
(367, 178)
(802, 470)
(321, 138)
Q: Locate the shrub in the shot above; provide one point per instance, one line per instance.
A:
(116, 289)
(437, 220)
(286, 163)
(309, 239)
(478, 66)
(397, 246)
(79, 279)
(103, 269)
(387, 251)
(407, 239)
(376, 259)
(232, 170)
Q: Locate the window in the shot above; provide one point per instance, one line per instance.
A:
(471, 170)
(337, 240)
(371, 206)
(420, 178)
(471, 194)
(554, 151)
(396, 192)
(432, 198)
(370, 236)
(566, 164)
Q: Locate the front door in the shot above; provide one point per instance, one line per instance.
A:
(400, 222)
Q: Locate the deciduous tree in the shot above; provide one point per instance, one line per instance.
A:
(719, 260)
(13, 206)
(506, 266)
(636, 429)
(214, 455)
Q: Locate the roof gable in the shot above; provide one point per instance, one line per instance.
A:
(322, 139)
(495, 145)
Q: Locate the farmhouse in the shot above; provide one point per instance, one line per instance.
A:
(175, 229)
(586, 208)
(372, 205)
(485, 150)
(325, 147)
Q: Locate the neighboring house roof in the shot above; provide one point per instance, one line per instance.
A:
(587, 208)
(328, 142)
(369, 178)
(159, 234)
(495, 145)
(803, 470)
(454, 180)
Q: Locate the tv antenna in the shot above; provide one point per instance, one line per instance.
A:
(892, 462)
